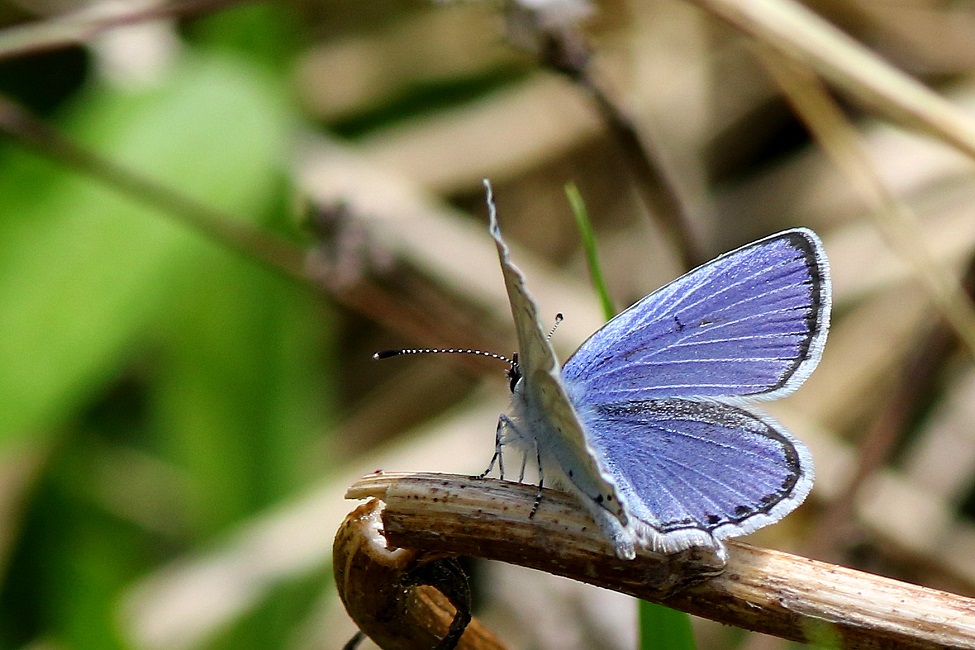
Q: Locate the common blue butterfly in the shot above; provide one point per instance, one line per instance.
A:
(651, 421)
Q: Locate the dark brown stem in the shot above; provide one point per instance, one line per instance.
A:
(378, 586)
(567, 53)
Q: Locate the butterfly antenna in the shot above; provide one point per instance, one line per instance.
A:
(386, 354)
(514, 370)
(551, 332)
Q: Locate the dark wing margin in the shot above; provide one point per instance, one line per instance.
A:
(691, 472)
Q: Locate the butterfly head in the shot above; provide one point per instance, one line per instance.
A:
(514, 372)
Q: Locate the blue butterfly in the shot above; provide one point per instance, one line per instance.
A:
(651, 422)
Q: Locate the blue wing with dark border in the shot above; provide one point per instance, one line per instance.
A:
(688, 471)
(751, 323)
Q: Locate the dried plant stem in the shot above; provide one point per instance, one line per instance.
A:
(759, 589)
(793, 30)
(378, 588)
(366, 291)
(77, 27)
(841, 142)
(267, 247)
(656, 183)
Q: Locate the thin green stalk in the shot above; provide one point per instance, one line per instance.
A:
(589, 243)
(661, 628)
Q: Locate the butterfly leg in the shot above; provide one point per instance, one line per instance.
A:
(541, 480)
(524, 465)
(504, 422)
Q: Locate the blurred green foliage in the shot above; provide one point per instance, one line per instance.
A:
(157, 389)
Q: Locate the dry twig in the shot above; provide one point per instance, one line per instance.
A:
(796, 32)
(760, 589)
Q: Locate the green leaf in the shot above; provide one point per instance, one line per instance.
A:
(84, 270)
(238, 399)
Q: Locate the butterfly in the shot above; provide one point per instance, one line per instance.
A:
(651, 423)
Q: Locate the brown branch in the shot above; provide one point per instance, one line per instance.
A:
(78, 27)
(760, 589)
(377, 586)
(656, 182)
(350, 267)
(566, 51)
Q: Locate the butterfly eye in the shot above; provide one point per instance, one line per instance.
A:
(514, 372)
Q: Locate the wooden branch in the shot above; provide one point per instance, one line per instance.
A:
(759, 589)
(378, 586)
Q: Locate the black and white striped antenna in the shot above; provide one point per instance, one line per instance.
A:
(514, 370)
(386, 354)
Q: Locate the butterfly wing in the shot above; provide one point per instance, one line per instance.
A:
(751, 323)
(543, 411)
(690, 471)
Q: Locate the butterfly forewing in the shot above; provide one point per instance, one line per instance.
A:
(751, 323)
(542, 405)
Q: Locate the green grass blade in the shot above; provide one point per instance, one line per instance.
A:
(661, 628)
(589, 243)
(84, 269)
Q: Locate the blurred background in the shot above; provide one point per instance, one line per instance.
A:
(213, 212)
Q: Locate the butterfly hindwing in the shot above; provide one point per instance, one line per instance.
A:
(689, 471)
(751, 323)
